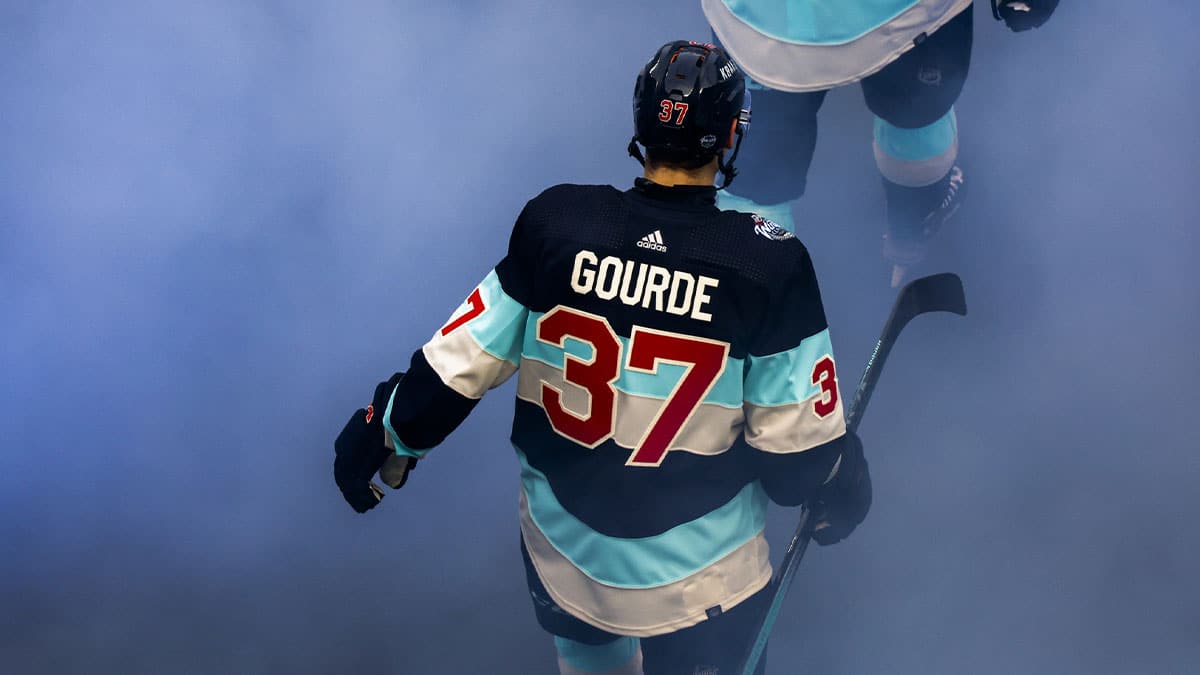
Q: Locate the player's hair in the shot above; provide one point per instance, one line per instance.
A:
(677, 158)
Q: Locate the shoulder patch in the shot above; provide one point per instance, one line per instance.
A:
(770, 229)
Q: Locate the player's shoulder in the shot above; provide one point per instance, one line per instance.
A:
(569, 211)
(763, 243)
(572, 195)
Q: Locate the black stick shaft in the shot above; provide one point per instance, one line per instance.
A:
(803, 534)
(866, 386)
(937, 293)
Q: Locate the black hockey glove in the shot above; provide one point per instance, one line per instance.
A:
(844, 501)
(360, 451)
(1021, 15)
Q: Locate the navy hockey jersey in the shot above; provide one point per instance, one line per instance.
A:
(675, 373)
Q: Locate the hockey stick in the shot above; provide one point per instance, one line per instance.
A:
(936, 293)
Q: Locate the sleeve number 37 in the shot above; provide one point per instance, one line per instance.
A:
(703, 361)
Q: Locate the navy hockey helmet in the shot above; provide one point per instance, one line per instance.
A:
(686, 100)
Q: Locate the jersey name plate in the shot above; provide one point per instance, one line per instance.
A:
(642, 284)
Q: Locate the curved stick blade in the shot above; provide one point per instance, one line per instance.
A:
(935, 293)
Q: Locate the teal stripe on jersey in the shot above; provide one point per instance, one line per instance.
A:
(649, 561)
(786, 377)
(597, 658)
(726, 392)
(401, 449)
(914, 145)
(498, 330)
(817, 22)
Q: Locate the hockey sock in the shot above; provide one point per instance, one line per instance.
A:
(916, 157)
(622, 656)
(780, 213)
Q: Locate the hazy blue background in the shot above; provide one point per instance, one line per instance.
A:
(222, 222)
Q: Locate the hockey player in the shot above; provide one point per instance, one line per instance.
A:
(674, 375)
(911, 58)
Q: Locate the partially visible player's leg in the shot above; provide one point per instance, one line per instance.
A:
(774, 159)
(622, 656)
(716, 645)
(581, 648)
(916, 137)
(923, 184)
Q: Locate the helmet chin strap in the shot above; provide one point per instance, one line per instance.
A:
(636, 152)
(726, 167)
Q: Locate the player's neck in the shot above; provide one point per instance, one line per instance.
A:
(672, 175)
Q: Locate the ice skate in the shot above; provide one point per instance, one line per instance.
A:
(911, 226)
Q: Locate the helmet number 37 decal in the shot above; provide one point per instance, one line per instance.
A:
(669, 109)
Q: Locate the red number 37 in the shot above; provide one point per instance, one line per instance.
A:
(703, 360)
(668, 108)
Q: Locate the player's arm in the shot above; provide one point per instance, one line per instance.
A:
(794, 407)
(477, 349)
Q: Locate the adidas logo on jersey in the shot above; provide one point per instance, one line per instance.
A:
(653, 241)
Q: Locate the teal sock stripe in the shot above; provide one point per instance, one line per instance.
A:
(597, 658)
(916, 145)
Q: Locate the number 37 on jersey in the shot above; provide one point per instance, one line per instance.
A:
(703, 362)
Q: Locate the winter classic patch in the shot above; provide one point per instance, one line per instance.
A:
(770, 229)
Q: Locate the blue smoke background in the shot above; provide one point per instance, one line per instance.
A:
(221, 223)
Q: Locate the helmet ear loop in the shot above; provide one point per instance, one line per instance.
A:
(741, 125)
(733, 129)
(726, 167)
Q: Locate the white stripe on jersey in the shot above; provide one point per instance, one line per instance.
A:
(711, 430)
(790, 428)
(464, 366)
(645, 612)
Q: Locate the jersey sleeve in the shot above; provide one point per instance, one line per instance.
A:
(792, 402)
(477, 349)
